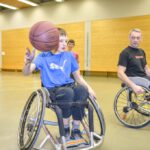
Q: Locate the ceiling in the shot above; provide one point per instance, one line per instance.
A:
(20, 5)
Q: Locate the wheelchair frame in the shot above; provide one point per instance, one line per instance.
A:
(32, 124)
(132, 110)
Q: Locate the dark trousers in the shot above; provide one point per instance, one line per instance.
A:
(67, 94)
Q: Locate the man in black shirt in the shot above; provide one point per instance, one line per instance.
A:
(132, 66)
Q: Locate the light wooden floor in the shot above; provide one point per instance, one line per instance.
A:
(15, 89)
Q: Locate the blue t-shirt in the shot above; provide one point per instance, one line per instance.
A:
(56, 69)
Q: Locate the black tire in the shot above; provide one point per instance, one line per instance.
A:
(31, 120)
(98, 120)
(129, 110)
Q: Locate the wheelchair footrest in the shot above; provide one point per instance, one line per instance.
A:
(76, 143)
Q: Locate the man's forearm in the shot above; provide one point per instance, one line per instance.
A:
(125, 79)
(147, 71)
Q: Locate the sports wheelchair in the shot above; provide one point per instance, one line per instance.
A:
(131, 109)
(35, 116)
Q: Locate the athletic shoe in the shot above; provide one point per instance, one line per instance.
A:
(76, 134)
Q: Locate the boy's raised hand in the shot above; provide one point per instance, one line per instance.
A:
(29, 55)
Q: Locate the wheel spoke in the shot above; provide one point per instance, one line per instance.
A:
(132, 110)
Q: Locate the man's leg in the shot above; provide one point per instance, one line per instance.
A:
(143, 81)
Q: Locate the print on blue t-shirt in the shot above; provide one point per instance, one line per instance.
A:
(55, 69)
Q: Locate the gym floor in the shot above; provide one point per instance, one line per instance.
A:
(15, 89)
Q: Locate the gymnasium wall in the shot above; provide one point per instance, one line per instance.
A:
(15, 41)
(74, 11)
(103, 27)
(0, 52)
(109, 37)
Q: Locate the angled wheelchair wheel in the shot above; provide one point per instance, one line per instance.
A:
(131, 109)
(31, 120)
(98, 123)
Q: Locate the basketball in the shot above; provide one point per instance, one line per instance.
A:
(44, 36)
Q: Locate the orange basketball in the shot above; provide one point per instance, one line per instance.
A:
(44, 36)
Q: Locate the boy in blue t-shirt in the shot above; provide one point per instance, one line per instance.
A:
(55, 67)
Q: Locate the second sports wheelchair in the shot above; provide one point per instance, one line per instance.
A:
(131, 109)
(34, 117)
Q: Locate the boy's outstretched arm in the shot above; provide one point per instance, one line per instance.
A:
(29, 67)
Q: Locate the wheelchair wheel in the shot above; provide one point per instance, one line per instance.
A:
(131, 109)
(31, 120)
(98, 122)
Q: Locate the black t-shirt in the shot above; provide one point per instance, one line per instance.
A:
(134, 60)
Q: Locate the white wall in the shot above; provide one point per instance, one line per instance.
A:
(73, 11)
(0, 53)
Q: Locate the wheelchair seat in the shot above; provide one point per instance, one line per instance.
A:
(40, 112)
